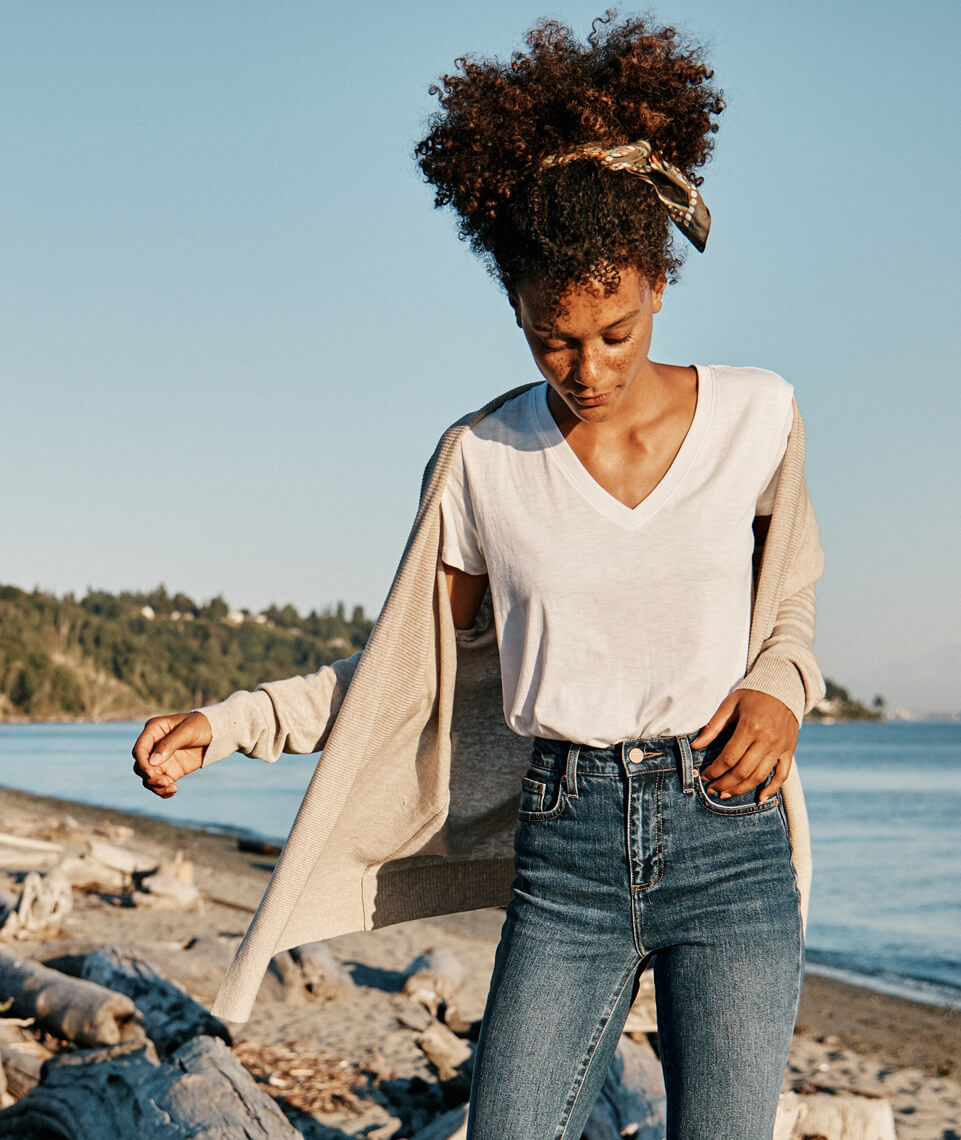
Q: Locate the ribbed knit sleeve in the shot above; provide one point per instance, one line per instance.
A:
(294, 715)
(781, 658)
(786, 667)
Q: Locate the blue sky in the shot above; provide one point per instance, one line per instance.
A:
(232, 326)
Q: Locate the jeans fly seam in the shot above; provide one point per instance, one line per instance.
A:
(657, 855)
(589, 1055)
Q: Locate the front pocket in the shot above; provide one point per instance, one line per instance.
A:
(745, 804)
(541, 799)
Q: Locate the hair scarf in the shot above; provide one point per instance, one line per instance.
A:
(679, 195)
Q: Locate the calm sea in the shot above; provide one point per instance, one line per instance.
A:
(884, 802)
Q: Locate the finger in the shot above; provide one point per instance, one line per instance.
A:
(729, 756)
(192, 732)
(153, 730)
(160, 785)
(753, 770)
(781, 772)
(753, 753)
(718, 721)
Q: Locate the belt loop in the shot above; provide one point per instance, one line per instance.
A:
(687, 766)
(570, 773)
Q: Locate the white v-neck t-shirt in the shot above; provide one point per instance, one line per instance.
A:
(616, 623)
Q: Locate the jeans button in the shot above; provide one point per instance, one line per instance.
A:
(636, 755)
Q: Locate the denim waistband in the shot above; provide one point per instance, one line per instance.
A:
(629, 757)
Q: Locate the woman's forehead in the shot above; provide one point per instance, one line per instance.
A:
(587, 302)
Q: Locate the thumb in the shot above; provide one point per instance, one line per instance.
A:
(192, 732)
(725, 711)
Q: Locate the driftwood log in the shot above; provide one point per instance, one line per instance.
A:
(44, 900)
(433, 978)
(833, 1116)
(170, 1016)
(21, 1070)
(631, 1101)
(449, 1054)
(323, 976)
(451, 1126)
(80, 1011)
(203, 1091)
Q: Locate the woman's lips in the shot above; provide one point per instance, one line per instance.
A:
(592, 401)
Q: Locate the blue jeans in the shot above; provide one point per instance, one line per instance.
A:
(622, 858)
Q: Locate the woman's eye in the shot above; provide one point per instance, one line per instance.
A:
(618, 339)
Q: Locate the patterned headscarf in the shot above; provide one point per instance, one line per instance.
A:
(684, 204)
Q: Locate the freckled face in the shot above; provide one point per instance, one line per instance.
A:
(592, 352)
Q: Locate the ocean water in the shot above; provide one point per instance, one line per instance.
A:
(884, 802)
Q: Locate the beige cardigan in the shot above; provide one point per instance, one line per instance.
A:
(411, 809)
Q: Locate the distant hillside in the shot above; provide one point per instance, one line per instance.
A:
(129, 655)
(132, 655)
(838, 704)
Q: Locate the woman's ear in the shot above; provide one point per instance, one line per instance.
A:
(657, 293)
(516, 306)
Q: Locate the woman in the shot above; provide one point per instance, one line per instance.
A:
(645, 537)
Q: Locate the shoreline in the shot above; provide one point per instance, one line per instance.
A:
(848, 1039)
(901, 988)
(860, 1016)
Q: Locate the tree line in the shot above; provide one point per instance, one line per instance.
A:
(131, 655)
(112, 656)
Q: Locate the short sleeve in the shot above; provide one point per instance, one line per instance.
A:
(461, 546)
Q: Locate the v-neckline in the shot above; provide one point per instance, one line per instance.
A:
(602, 500)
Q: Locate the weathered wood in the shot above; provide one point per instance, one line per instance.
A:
(258, 846)
(8, 840)
(121, 858)
(88, 874)
(323, 976)
(203, 1091)
(80, 1011)
(631, 1101)
(451, 1126)
(449, 1055)
(642, 1016)
(433, 978)
(170, 1016)
(21, 1070)
(44, 900)
(835, 1116)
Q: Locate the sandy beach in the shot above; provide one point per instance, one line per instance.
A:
(847, 1039)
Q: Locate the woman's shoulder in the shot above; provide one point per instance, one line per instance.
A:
(750, 380)
(752, 391)
(507, 417)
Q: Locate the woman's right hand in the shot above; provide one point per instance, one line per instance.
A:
(169, 748)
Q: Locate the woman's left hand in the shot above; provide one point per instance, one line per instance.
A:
(764, 738)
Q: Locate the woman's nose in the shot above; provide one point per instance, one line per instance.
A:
(588, 368)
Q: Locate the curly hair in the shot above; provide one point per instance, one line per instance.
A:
(569, 223)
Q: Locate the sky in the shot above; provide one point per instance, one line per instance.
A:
(232, 326)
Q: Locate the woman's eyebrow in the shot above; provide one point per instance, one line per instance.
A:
(545, 331)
